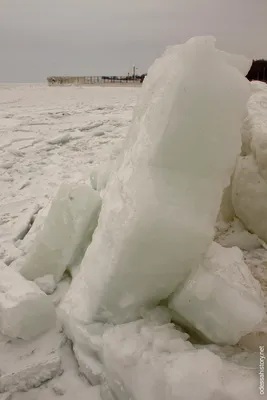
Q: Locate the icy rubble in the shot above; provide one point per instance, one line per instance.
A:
(149, 359)
(25, 311)
(179, 373)
(66, 232)
(162, 200)
(220, 300)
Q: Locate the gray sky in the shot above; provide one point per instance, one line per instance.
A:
(94, 37)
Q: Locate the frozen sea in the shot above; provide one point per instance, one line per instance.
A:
(50, 135)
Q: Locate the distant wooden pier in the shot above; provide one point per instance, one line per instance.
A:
(95, 80)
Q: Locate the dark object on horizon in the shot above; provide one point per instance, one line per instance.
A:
(258, 71)
(95, 80)
(142, 78)
(129, 78)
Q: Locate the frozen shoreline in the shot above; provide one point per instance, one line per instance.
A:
(48, 137)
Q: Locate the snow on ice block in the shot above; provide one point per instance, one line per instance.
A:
(32, 376)
(249, 193)
(150, 362)
(162, 200)
(25, 365)
(220, 300)
(25, 311)
(66, 232)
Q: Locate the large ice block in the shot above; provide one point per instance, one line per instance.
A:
(221, 300)
(66, 233)
(162, 200)
(25, 311)
(249, 194)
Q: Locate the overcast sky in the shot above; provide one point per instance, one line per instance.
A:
(94, 37)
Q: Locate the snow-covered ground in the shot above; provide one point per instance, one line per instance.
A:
(49, 136)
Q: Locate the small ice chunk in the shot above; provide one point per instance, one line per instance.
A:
(24, 222)
(46, 283)
(58, 389)
(13, 253)
(66, 233)
(237, 236)
(60, 139)
(25, 311)
(23, 378)
(220, 300)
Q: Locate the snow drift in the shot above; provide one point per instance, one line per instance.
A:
(162, 200)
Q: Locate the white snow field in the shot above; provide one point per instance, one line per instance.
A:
(151, 259)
